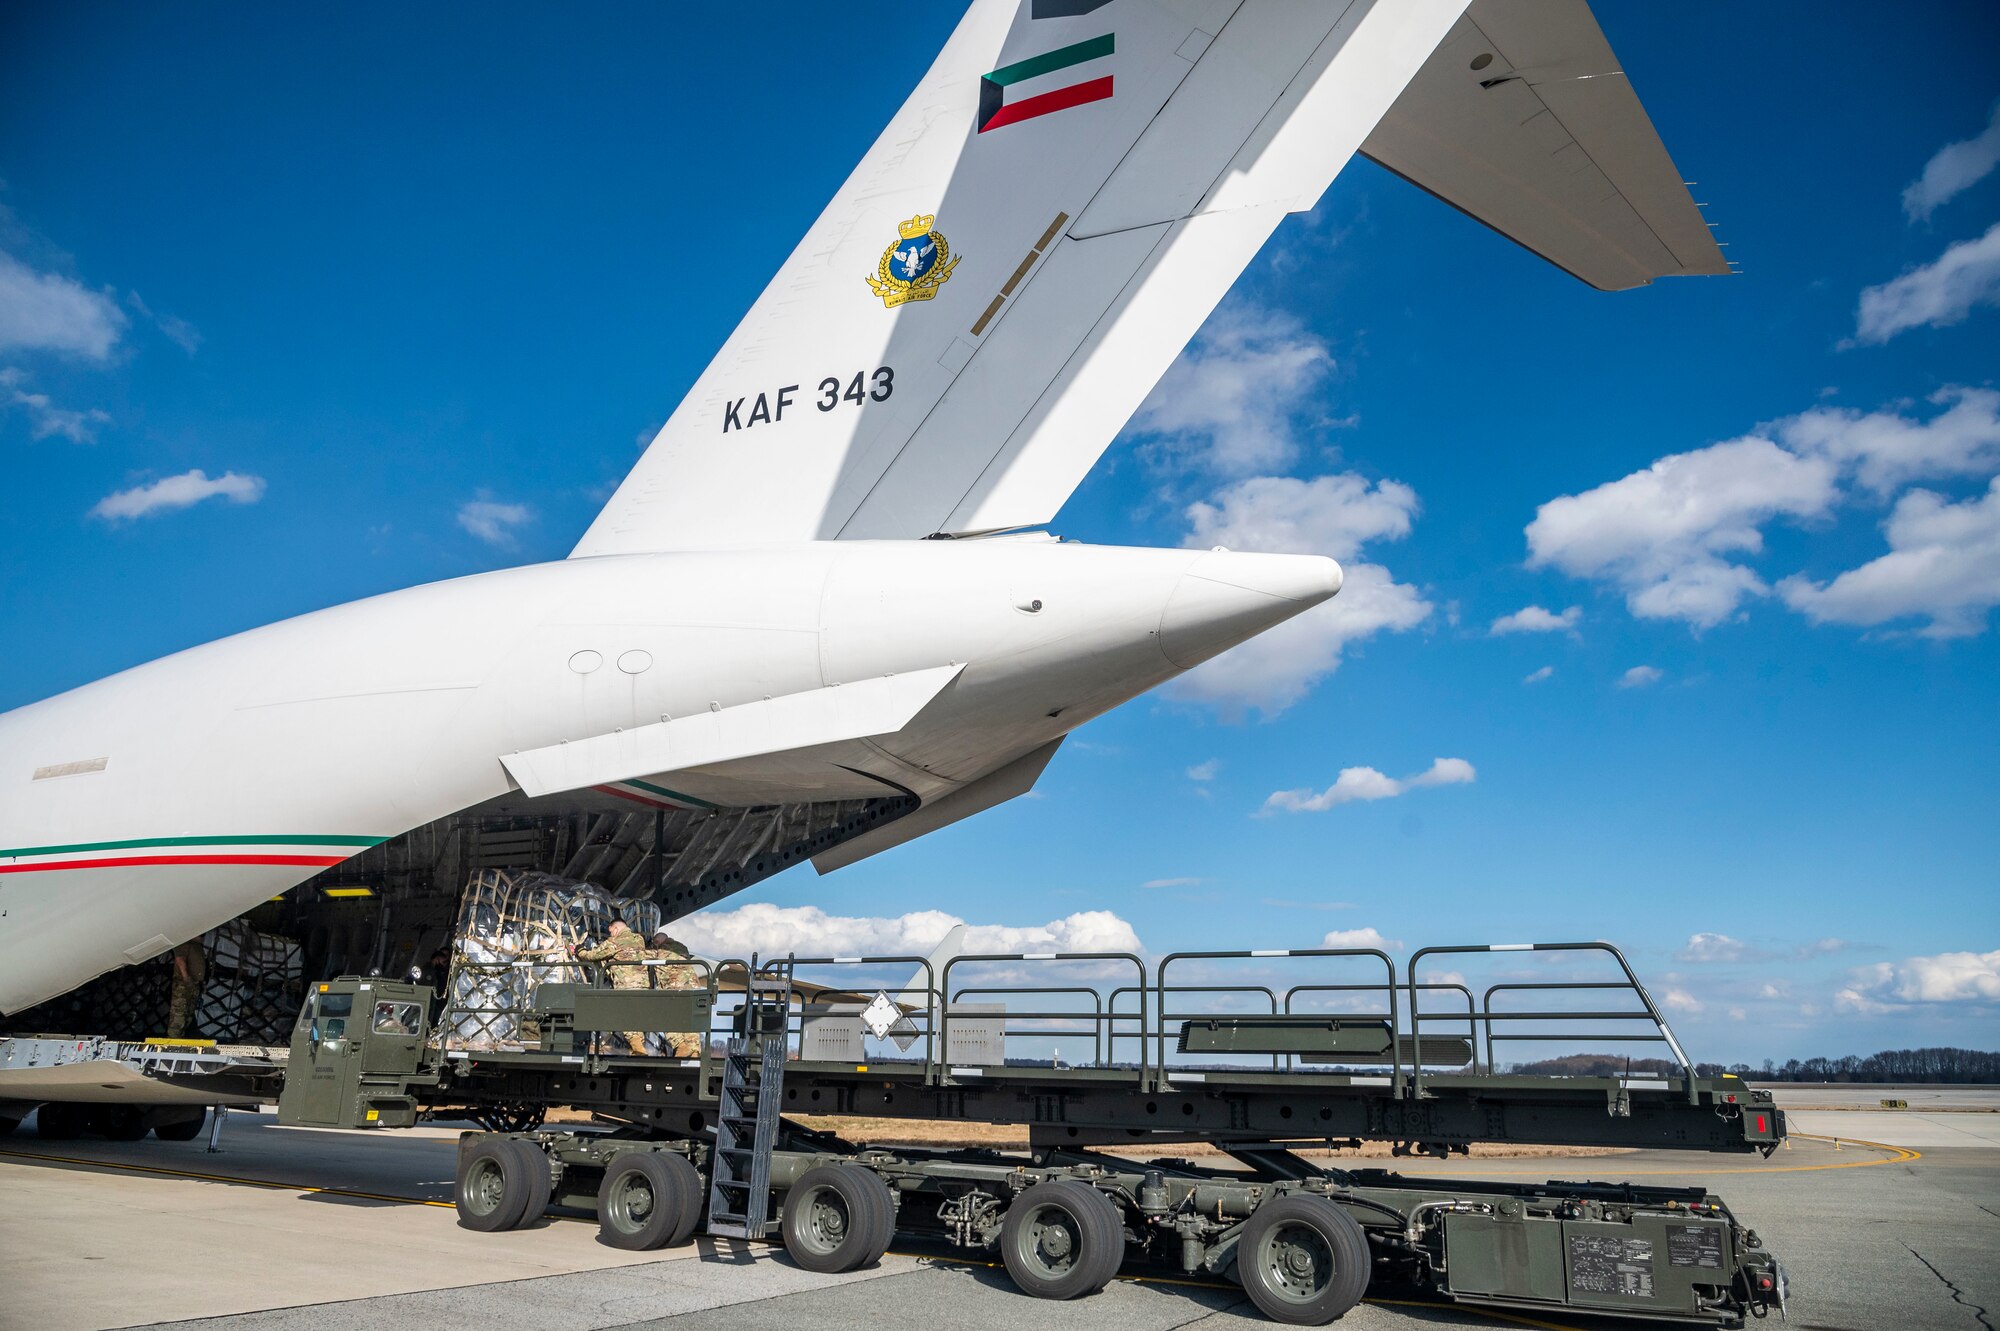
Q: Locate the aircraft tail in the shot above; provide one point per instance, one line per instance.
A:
(1067, 194)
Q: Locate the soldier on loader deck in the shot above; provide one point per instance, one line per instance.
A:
(664, 947)
(625, 950)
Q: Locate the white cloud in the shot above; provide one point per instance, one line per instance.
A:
(1662, 534)
(1886, 449)
(1361, 784)
(1713, 947)
(1204, 771)
(1358, 938)
(491, 521)
(1665, 535)
(1173, 882)
(1676, 999)
(1329, 515)
(1943, 563)
(1534, 619)
(810, 931)
(1955, 168)
(1639, 676)
(177, 330)
(177, 492)
(1949, 977)
(45, 418)
(1229, 400)
(1537, 676)
(1935, 295)
(47, 312)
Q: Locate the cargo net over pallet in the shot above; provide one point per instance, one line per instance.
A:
(254, 985)
(249, 995)
(514, 933)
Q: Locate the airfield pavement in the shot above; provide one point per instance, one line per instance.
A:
(302, 1228)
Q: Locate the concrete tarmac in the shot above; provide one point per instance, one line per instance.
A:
(306, 1228)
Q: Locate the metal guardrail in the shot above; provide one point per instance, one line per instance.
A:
(1151, 1004)
(1103, 1020)
(1486, 1016)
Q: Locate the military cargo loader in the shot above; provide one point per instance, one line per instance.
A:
(1179, 1051)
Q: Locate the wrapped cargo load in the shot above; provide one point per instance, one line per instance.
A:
(514, 933)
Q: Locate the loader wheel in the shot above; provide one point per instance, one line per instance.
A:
(59, 1122)
(182, 1130)
(1061, 1240)
(120, 1123)
(1303, 1260)
(495, 1185)
(838, 1218)
(649, 1199)
(535, 1172)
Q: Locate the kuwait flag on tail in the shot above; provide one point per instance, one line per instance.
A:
(995, 108)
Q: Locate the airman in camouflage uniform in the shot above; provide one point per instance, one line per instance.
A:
(682, 1044)
(625, 950)
(190, 969)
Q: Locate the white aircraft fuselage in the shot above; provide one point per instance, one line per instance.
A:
(152, 805)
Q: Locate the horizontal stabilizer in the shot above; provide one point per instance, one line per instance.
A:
(773, 725)
(996, 787)
(1523, 119)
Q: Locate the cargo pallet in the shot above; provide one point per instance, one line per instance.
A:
(1175, 1058)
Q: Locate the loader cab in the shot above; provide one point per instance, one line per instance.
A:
(357, 1042)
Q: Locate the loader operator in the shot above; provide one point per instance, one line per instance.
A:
(625, 951)
(663, 947)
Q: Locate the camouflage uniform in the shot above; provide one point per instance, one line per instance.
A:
(190, 969)
(626, 949)
(682, 1044)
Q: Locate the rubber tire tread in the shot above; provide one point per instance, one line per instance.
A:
(885, 1229)
(870, 1210)
(535, 1169)
(515, 1188)
(58, 1122)
(1352, 1259)
(184, 1131)
(121, 1123)
(1099, 1229)
(676, 1200)
(693, 1194)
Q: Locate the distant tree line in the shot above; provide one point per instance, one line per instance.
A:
(1891, 1065)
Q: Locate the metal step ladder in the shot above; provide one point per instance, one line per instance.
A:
(753, 1090)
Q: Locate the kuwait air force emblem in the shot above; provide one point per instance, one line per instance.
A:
(915, 266)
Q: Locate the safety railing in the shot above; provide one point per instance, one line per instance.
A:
(1094, 1024)
(1556, 1022)
(1385, 1024)
(923, 987)
(1168, 1014)
(1104, 1022)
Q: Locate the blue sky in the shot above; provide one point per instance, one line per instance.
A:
(406, 290)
